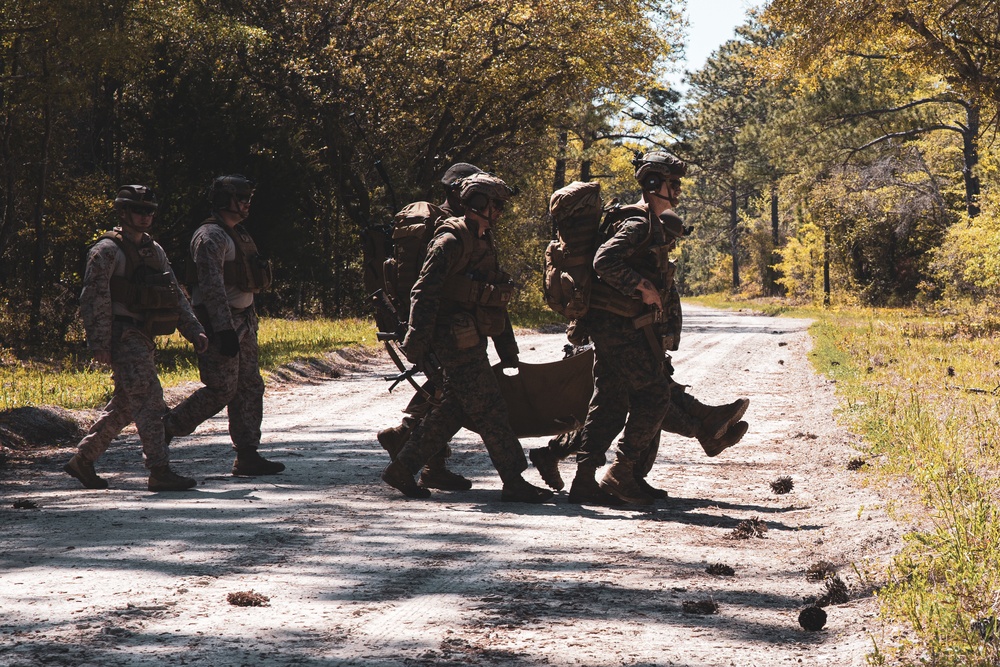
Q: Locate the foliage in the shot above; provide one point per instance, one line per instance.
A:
(74, 382)
(304, 96)
(921, 391)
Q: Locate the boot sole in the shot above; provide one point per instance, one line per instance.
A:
(738, 415)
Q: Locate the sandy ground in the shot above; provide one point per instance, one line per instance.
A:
(358, 575)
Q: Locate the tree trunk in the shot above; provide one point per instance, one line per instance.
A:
(970, 159)
(585, 171)
(826, 267)
(38, 216)
(771, 285)
(734, 239)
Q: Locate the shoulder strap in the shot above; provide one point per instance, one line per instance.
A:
(132, 258)
(458, 228)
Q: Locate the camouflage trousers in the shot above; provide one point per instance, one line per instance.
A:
(233, 383)
(471, 396)
(630, 391)
(138, 397)
(415, 411)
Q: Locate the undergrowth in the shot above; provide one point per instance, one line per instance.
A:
(923, 393)
(75, 382)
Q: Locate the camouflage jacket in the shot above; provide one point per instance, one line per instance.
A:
(106, 259)
(430, 310)
(624, 259)
(211, 247)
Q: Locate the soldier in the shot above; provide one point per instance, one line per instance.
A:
(458, 301)
(632, 384)
(435, 475)
(129, 297)
(227, 271)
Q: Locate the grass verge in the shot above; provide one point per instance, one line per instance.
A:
(924, 391)
(73, 382)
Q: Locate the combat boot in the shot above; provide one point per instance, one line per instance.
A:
(249, 463)
(730, 438)
(546, 462)
(650, 490)
(586, 491)
(716, 420)
(84, 471)
(398, 477)
(435, 475)
(620, 482)
(162, 478)
(393, 439)
(519, 490)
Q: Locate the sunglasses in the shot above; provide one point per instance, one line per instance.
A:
(244, 200)
(499, 204)
(142, 211)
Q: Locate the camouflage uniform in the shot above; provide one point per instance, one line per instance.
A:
(630, 387)
(231, 382)
(111, 326)
(470, 392)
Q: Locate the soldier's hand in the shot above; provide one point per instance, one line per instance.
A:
(200, 343)
(650, 296)
(414, 352)
(102, 356)
(509, 361)
(229, 342)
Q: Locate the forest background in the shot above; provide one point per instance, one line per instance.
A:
(843, 156)
(841, 151)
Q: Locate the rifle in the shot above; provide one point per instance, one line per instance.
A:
(392, 340)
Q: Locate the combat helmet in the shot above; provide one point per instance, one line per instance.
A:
(224, 188)
(656, 166)
(476, 191)
(457, 172)
(137, 197)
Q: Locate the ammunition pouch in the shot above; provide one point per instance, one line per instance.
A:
(252, 274)
(488, 293)
(605, 297)
(465, 331)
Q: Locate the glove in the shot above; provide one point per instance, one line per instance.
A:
(415, 352)
(509, 361)
(229, 342)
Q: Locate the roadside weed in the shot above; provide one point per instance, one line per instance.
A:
(74, 382)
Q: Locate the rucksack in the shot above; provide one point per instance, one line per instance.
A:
(412, 231)
(576, 212)
(582, 223)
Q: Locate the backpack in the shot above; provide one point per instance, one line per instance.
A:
(412, 231)
(582, 224)
(576, 212)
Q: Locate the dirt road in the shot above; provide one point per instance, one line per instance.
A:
(358, 575)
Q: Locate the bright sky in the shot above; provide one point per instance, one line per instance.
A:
(711, 23)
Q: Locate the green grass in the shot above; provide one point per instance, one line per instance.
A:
(74, 382)
(923, 393)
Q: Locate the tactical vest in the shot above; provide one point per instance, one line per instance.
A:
(145, 289)
(651, 260)
(477, 286)
(247, 271)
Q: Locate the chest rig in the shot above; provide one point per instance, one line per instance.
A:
(145, 289)
(477, 287)
(248, 271)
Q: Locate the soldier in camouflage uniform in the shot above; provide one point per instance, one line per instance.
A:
(435, 475)
(130, 295)
(228, 271)
(632, 384)
(458, 301)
